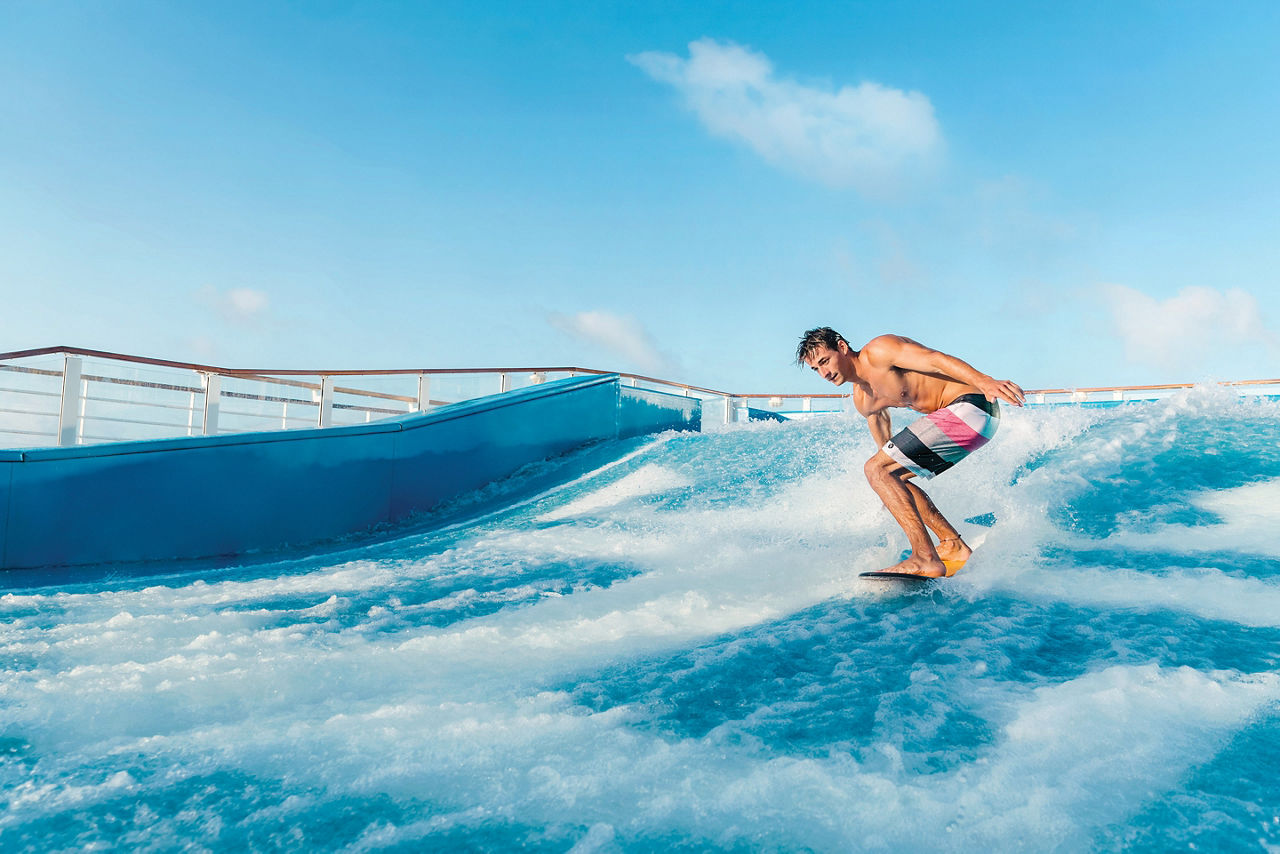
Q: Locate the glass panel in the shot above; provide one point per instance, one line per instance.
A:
(268, 403)
(122, 400)
(30, 398)
(363, 399)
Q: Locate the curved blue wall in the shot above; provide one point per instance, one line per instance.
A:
(226, 495)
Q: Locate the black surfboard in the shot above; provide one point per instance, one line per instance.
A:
(898, 576)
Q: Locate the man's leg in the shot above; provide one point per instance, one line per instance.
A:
(951, 547)
(889, 480)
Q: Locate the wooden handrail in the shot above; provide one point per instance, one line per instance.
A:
(1162, 387)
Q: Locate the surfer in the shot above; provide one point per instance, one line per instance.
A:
(961, 415)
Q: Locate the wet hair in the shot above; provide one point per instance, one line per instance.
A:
(823, 336)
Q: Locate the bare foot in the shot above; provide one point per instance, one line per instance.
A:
(917, 565)
(953, 553)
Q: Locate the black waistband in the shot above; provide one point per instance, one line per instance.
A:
(990, 407)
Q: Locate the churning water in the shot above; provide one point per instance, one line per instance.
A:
(665, 645)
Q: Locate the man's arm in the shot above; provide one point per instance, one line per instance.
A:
(881, 427)
(912, 356)
(878, 421)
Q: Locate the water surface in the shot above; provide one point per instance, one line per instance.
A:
(664, 645)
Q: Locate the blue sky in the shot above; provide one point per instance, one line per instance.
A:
(1065, 194)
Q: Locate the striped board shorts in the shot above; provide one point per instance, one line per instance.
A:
(935, 442)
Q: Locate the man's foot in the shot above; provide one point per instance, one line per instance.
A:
(953, 553)
(917, 565)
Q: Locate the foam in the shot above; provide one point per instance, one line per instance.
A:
(649, 479)
(1249, 522)
(1073, 757)
(1086, 753)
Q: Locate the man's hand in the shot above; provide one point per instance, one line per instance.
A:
(1003, 390)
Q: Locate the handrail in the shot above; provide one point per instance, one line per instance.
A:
(1162, 387)
(298, 372)
(272, 374)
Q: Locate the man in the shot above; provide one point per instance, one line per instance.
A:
(961, 415)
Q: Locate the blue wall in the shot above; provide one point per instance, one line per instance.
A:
(763, 415)
(227, 495)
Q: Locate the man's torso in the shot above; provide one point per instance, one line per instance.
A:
(883, 388)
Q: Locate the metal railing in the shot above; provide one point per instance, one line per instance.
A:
(1110, 395)
(73, 396)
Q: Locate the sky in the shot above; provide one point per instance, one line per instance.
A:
(1063, 194)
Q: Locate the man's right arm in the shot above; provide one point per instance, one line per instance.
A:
(881, 427)
(879, 422)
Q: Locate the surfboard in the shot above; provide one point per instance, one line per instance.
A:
(953, 566)
(898, 576)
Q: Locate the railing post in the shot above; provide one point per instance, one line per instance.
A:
(728, 409)
(503, 385)
(84, 412)
(424, 392)
(326, 401)
(69, 416)
(212, 402)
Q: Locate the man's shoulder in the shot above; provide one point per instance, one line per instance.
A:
(883, 347)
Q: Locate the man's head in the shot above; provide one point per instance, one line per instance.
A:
(823, 336)
(826, 351)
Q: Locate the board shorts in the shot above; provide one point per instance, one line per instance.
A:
(935, 442)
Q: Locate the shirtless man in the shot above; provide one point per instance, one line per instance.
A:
(961, 415)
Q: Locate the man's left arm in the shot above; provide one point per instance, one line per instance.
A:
(914, 356)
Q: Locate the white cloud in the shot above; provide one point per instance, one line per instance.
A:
(863, 136)
(246, 302)
(237, 304)
(1197, 328)
(620, 337)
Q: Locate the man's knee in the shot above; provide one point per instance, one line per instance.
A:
(871, 468)
(882, 466)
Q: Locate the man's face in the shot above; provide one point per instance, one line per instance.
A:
(834, 366)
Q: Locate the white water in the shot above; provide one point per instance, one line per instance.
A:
(673, 649)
